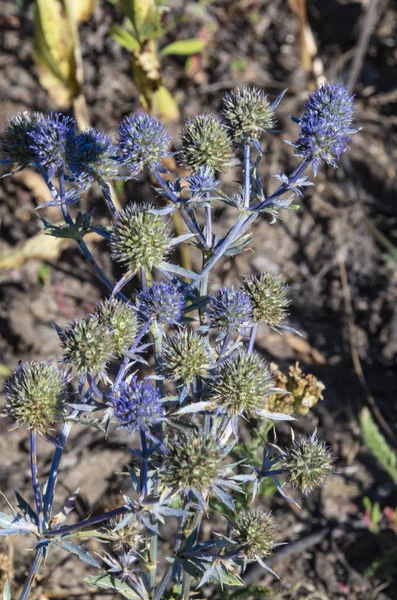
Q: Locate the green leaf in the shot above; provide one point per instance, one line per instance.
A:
(124, 38)
(77, 551)
(107, 582)
(378, 444)
(184, 47)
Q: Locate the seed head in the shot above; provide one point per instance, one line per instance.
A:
(326, 125)
(140, 239)
(87, 345)
(254, 533)
(307, 463)
(143, 142)
(49, 141)
(162, 303)
(186, 356)
(126, 539)
(304, 391)
(205, 142)
(248, 114)
(91, 157)
(268, 295)
(230, 310)
(136, 405)
(120, 320)
(242, 385)
(194, 462)
(35, 395)
(16, 141)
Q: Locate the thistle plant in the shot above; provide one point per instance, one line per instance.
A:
(184, 415)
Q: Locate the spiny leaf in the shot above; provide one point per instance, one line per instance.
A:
(378, 444)
(107, 582)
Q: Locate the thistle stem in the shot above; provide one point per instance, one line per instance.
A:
(35, 478)
(254, 332)
(32, 573)
(187, 578)
(247, 174)
(145, 464)
(52, 478)
(126, 359)
(66, 529)
(98, 270)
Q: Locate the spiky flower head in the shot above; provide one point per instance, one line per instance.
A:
(201, 183)
(143, 142)
(49, 140)
(268, 295)
(230, 310)
(15, 140)
(248, 113)
(254, 533)
(193, 463)
(120, 320)
(91, 157)
(205, 142)
(136, 405)
(186, 355)
(242, 384)
(304, 391)
(307, 463)
(162, 303)
(35, 395)
(125, 537)
(140, 239)
(87, 345)
(326, 125)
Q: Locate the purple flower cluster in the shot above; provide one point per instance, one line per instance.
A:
(326, 125)
(163, 303)
(91, 157)
(143, 142)
(49, 140)
(230, 310)
(201, 183)
(136, 405)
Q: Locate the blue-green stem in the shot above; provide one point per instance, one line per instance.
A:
(177, 544)
(34, 567)
(254, 332)
(52, 478)
(158, 348)
(35, 478)
(144, 464)
(247, 173)
(67, 529)
(187, 578)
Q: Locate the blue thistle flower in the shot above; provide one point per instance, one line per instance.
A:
(15, 140)
(163, 303)
(136, 405)
(49, 140)
(231, 310)
(143, 142)
(201, 183)
(91, 157)
(326, 125)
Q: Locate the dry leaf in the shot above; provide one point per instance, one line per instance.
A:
(38, 247)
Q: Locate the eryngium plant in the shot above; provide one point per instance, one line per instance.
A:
(184, 417)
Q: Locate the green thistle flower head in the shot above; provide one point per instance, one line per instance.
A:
(120, 320)
(242, 385)
(16, 141)
(35, 395)
(186, 356)
(248, 114)
(206, 143)
(268, 295)
(194, 463)
(87, 345)
(140, 239)
(307, 463)
(255, 533)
